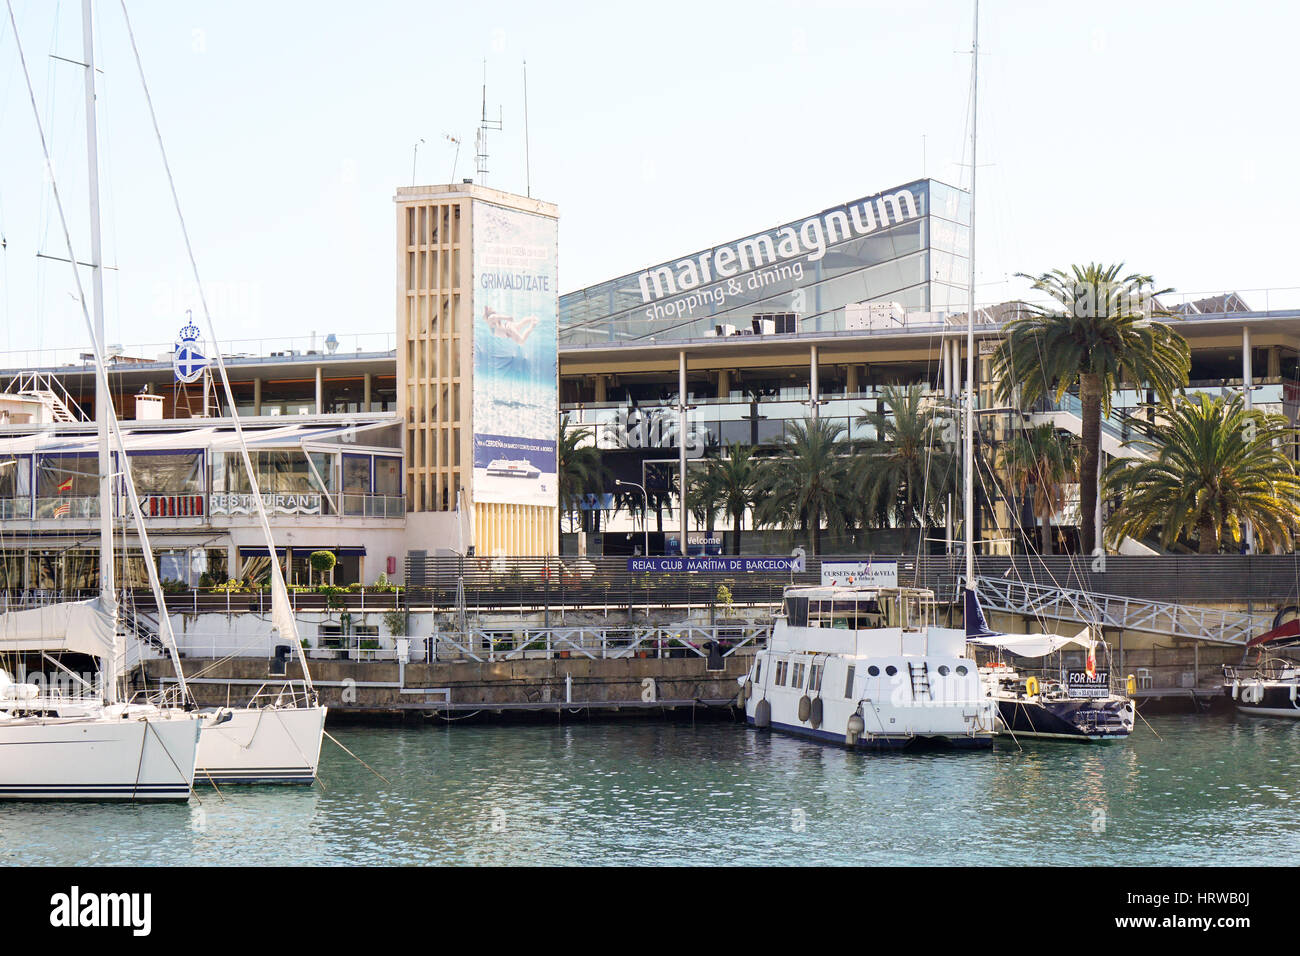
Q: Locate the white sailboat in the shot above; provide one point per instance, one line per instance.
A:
(275, 737)
(94, 746)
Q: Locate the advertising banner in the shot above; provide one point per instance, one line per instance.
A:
(879, 574)
(516, 407)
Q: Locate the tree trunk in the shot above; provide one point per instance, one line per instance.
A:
(1047, 537)
(1090, 403)
(735, 536)
(1205, 533)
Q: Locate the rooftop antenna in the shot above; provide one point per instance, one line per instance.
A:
(485, 125)
(414, 153)
(455, 141)
(528, 172)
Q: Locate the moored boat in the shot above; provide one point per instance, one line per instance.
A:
(867, 668)
(1077, 705)
(1272, 689)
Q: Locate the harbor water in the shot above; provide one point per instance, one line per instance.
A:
(1211, 790)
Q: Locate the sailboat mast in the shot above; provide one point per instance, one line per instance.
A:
(102, 397)
(969, 450)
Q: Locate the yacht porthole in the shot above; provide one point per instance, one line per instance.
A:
(943, 670)
(891, 670)
(873, 670)
(961, 670)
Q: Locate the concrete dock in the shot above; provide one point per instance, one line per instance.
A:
(621, 686)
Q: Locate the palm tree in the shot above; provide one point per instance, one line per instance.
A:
(911, 465)
(1097, 333)
(808, 483)
(1038, 462)
(579, 466)
(1214, 465)
(735, 476)
(705, 497)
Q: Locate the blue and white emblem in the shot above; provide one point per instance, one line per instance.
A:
(187, 361)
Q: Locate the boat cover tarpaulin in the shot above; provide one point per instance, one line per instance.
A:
(1032, 645)
(1022, 645)
(82, 626)
(1283, 635)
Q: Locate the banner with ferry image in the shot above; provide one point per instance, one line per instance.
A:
(515, 356)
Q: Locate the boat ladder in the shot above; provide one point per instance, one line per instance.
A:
(920, 680)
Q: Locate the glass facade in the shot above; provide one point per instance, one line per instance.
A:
(907, 245)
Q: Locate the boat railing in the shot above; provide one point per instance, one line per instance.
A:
(291, 693)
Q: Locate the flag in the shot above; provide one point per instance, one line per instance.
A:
(66, 486)
(62, 510)
(1092, 661)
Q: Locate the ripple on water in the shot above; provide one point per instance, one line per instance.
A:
(1212, 792)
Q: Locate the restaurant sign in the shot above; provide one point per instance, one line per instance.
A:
(243, 504)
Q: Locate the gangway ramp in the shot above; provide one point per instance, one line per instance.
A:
(1183, 621)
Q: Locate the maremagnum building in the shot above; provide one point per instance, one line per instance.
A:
(440, 435)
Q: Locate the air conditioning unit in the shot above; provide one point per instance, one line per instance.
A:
(724, 330)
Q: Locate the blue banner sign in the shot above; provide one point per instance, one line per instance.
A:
(716, 564)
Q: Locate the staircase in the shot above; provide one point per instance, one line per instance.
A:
(140, 627)
(1115, 611)
(1067, 414)
(45, 390)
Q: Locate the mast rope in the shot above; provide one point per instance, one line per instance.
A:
(279, 589)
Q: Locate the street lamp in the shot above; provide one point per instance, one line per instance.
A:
(645, 498)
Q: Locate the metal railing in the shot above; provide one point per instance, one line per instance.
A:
(373, 506)
(286, 347)
(66, 507)
(599, 643)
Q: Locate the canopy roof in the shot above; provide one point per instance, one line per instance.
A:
(213, 438)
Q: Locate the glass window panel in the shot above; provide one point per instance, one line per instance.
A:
(356, 474)
(388, 476)
(167, 474)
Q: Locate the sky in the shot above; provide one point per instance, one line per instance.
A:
(1147, 133)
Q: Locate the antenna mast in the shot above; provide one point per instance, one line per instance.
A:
(969, 451)
(480, 140)
(455, 141)
(528, 172)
